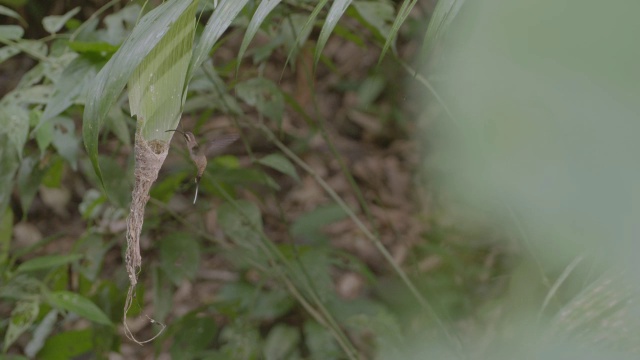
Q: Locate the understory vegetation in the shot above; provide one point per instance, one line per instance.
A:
(333, 228)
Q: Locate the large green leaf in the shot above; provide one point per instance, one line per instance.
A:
(155, 88)
(111, 80)
(218, 23)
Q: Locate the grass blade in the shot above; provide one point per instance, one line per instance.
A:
(335, 13)
(265, 7)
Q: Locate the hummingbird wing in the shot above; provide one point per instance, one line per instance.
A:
(214, 146)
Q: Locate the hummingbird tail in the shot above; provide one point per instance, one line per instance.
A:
(196, 196)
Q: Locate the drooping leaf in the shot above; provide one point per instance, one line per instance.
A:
(264, 8)
(156, 86)
(403, 13)
(379, 14)
(218, 23)
(80, 305)
(306, 29)
(335, 13)
(443, 14)
(10, 13)
(114, 75)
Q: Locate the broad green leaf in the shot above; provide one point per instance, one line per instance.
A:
(403, 13)
(280, 163)
(41, 334)
(280, 342)
(6, 230)
(241, 221)
(335, 13)
(68, 345)
(80, 305)
(10, 13)
(22, 316)
(47, 262)
(156, 86)
(71, 87)
(218, 23)
(179, 256)
(11, 32)
(111, 80)
(378, 14)
(264, 8)
(53, 23)
(265, 95)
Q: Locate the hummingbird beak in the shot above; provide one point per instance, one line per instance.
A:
(181, 132)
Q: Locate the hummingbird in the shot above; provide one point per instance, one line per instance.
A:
(199, 153)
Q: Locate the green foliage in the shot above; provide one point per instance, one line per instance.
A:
(281, 301)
